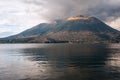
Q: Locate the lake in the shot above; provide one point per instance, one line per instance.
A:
(59, 62)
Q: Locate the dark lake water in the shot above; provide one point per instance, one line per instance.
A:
(59, 62)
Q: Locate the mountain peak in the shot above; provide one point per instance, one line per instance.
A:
(79, 17)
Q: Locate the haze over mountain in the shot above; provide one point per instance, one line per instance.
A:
(78, 29)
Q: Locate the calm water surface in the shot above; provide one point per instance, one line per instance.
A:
(59, 62)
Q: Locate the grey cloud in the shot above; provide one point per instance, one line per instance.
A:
(54, 9)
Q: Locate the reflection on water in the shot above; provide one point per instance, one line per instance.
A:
(59, 62)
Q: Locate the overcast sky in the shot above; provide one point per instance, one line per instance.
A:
(19, 15)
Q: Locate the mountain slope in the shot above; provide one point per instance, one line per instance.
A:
(75, 29)
(83, 29)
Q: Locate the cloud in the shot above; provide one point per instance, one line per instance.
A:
(17, 13)
(115, 23)
(105, 10)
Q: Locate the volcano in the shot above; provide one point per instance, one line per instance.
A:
(77, 29)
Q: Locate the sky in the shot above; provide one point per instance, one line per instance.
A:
(19, 15)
